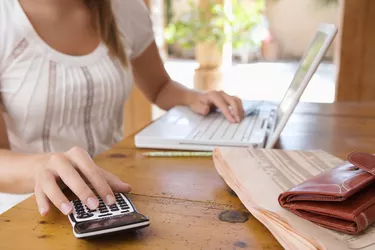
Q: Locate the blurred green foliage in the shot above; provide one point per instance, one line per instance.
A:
(212, 24)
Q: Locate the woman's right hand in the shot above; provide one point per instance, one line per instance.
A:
(72, 168)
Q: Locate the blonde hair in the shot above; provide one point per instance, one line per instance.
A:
(105, 24)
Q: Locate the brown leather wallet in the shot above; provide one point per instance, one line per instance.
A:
(341, 199)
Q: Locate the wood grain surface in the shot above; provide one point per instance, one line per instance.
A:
(185, 197)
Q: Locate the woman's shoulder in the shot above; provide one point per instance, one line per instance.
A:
(130, 7)
(131, 12)
(6, 8)
(7, 34)
(8, 18)
(134, 21)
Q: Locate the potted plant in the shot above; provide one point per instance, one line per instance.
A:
(210, 27)
(247, 27)
(201, 29)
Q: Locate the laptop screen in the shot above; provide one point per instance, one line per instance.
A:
(306, 62)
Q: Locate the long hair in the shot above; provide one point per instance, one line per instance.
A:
(105, 23)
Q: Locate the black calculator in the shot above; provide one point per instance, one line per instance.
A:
(106, 219)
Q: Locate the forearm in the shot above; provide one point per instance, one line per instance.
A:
(173, 94)
(16, 171)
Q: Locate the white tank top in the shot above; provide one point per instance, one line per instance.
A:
(55, 101)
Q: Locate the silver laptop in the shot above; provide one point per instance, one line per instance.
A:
(182, 129)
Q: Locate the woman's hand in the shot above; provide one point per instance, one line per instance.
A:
(73, 168)
(156, 84)
(230, 106)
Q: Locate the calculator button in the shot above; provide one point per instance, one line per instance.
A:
(83, 213)
(85, 216)
(114, 209)
(102, 215)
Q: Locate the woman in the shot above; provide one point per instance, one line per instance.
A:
(66, 69)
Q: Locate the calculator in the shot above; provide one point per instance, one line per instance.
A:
(120, 216)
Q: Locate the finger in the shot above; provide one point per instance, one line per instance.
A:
(219, 101)
(41, 200)
(116, 184)
(240, 103)
(236, 105)
(201, 108)
(53, 192)
(74, 181)
(92, 172)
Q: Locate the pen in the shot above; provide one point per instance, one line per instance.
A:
(178, 154)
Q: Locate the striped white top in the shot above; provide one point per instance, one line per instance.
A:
(55, 101)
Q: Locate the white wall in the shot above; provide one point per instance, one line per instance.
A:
(294, 22)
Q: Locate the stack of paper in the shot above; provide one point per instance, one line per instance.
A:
(258, 176)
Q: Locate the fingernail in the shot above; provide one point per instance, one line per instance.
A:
(65, 208)
(238, 118)
(92, 203)
(110, 199)
(42, 211)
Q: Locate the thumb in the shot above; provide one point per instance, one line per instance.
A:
(116, 184)
(200, 108)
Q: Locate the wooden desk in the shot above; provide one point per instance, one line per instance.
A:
(184, 197)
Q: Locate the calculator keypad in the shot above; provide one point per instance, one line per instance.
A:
(82, 213)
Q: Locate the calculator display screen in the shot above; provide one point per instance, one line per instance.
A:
(108, 223)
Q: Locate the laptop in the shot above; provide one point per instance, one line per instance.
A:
(182, 129)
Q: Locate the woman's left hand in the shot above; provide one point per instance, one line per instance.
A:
(230, 106)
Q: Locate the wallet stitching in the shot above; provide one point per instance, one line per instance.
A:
(366, 220)
(338, 212)
(358, 183)
(370, 201)
(327, 223)
(372, 171)
(344, 186)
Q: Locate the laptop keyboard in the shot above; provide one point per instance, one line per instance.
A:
(216, 127)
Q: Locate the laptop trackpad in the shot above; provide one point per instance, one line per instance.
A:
(170, 127)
